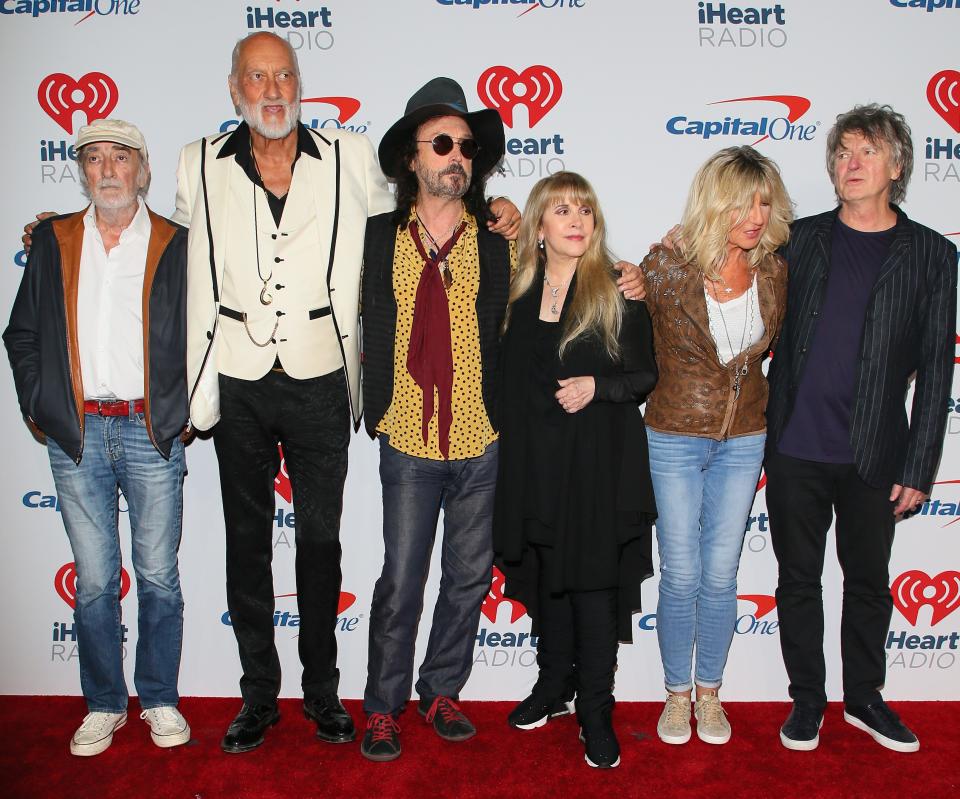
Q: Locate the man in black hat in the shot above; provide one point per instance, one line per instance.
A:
(434, 294)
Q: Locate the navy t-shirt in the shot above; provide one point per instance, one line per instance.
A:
(819, 426)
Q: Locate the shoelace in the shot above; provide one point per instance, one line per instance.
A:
(449, 711)
(97, 720)
(159, 714)
(677, 710)
(382, 726)
(711, 709)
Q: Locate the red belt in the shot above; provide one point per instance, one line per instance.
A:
(112, 407)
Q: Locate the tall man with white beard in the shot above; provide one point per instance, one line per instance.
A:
(277, 214)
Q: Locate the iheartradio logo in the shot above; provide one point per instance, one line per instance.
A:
(281, 483)
(538, 88)
(495, 598)
(914, 589)
(65, 582)
(943, 94)
(95, 94)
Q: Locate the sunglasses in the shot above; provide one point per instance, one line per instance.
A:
(443, 144)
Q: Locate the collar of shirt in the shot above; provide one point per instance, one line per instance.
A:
(139, 226)
(466, 217)
(238, 146)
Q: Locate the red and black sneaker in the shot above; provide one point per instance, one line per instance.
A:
(381, 741)
(447, 719)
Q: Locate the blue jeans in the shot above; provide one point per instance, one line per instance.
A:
(414, 490)
(704, 490)
(118, 453)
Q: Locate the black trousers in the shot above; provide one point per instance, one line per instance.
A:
(802, 497)
(311, 420)
(577, 643)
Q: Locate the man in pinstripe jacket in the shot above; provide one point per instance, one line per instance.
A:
(871, 304)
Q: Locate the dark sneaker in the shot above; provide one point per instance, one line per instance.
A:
(801, 730)
(537, 709)
(381, 741)
(447, 719)
(883, 725)
(602, 750)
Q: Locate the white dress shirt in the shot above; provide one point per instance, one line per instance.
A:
(110, 309)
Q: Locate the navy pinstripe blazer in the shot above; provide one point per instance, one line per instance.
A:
(909, 330)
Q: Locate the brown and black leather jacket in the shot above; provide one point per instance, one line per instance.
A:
(42, 340)
(695, 394)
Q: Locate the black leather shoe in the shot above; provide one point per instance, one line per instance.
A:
(334, 724)
(883, 725)
(246, 730)
(447, 719)
(801, 730)
(601, 747)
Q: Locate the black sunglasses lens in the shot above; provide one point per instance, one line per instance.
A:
(469, 148)
(442, 144)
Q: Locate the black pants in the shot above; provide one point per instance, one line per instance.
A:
(311, 420)
(577, 643)
(801, 499)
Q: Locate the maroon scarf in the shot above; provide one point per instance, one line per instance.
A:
(430, 354)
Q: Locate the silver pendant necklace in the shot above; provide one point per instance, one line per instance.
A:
(265, 296)
(554, 293)
(745, 337)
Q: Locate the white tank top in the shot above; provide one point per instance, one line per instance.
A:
(736, 325)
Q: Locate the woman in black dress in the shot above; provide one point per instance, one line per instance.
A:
(574, 501)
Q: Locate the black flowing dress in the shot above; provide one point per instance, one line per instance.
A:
(580, 482)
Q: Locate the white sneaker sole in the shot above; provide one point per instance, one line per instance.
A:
(717, 740)
(802, 746)
(95, 748)
(535, 725)
(172, 739)
(889, 743)
(675, 740)
(590, 763)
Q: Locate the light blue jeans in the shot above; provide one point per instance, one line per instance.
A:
(704, 489)
(118, 453)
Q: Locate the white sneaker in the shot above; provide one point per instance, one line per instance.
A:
(96, 733)
(167, 726)
(674, 724)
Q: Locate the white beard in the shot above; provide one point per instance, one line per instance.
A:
(253, 116)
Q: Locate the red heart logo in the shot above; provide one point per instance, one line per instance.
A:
(943, 94)
(495, 598)
(281, 483)
(537, 87)
(60, 96)
(65, 582)
(914, 589)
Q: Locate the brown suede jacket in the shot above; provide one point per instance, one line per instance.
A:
(694, 395)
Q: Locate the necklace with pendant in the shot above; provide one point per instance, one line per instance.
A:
(554, 293)
(445, 272)
(265, 296)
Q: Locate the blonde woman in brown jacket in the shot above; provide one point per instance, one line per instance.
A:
(717, 307)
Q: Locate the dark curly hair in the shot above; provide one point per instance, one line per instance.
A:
(475, 200)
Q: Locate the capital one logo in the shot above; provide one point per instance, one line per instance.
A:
(764, 603)
(65, 582)
(537, 88)
(346, 106)
(345, 601)
(943, 94)
(913, 590)
(60, 96)
(495, 598)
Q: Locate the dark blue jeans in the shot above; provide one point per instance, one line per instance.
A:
(118, 453)
(414, 491)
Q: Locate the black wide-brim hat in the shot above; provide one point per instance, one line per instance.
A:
(442, 97)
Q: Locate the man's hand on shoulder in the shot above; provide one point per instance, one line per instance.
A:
(507, 221)
(27, 237)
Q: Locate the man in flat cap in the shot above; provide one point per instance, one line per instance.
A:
(97, 343)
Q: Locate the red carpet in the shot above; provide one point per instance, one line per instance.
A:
(499, 762)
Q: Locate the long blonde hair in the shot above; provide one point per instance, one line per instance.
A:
(596, 307)
(727, 183)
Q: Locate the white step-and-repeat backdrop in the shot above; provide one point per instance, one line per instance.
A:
(637, 94)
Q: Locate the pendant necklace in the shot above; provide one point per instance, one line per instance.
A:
(745, 337)
(265, 296)
(444, 265)
(554, 293)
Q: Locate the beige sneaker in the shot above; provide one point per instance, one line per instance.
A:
(712, 724)
(96, 733)
(674, 724)
(167, 726)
